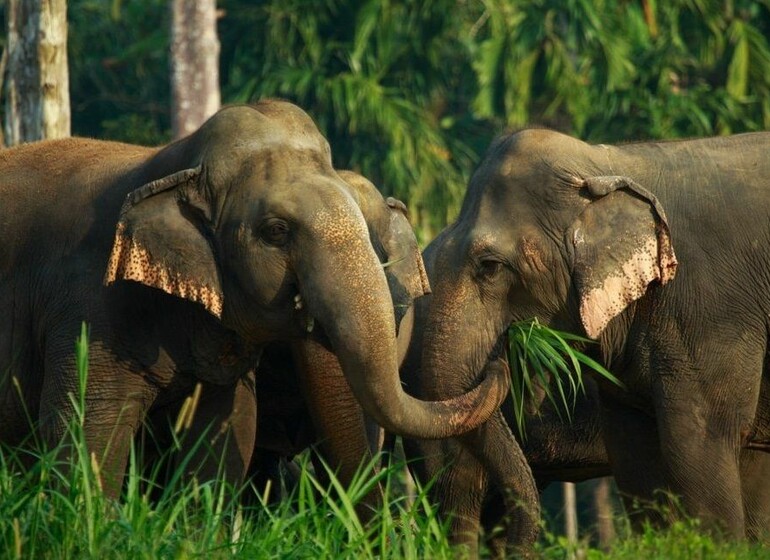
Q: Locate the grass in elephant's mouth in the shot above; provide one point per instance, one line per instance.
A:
(546, 365)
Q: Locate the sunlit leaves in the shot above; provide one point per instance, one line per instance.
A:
(412, 93)
(545, 59)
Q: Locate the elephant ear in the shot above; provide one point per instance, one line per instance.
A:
(621, 243)
(401, 246)
(158, 242)
(392, 234)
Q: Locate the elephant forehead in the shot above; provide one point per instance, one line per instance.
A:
(278, 161)
(482, 241)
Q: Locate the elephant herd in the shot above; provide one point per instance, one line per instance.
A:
(239, 265)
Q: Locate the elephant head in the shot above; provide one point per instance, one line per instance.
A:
(248, 218)
(545, 231)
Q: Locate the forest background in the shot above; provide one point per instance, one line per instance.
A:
(410, 93)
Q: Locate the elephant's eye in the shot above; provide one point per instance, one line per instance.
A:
(275, 232)
(489, 268)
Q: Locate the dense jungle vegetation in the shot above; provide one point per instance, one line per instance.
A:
(411, 93)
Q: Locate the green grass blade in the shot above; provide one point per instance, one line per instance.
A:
(548, 357)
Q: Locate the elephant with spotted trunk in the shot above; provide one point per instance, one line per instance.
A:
(659, 252)
(304, 398)
(185, 261)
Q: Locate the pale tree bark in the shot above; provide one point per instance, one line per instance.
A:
(604, 513)
(194, 64)
(570, 512)
(37, 100)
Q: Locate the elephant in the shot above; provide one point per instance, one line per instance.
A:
(306, 401)
(469, 490)
(654, 250)
(557, 447)
(314, 405)
(185, 261)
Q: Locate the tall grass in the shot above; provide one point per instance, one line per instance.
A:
(52, 506)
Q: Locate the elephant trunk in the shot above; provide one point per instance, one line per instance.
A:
(461, 341)
(346, 291)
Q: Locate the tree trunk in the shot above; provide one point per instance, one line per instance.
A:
(37, 97)
(194, 64)
(604, 517)
(570, 512)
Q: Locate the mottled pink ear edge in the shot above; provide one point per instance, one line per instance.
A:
(134, 260)
(130, 260)
(424, 282)
(654, 261)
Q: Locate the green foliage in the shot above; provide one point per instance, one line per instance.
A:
(545, 362)
(618, 70)
(118, 58)
(411, 93)
(682, 541)
(548, 60)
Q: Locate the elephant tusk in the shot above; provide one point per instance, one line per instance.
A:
(310, 324)
(390, 263)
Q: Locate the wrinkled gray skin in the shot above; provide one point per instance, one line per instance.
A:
(556, 450)
(217, 235)
(304, 398)
(588, 239)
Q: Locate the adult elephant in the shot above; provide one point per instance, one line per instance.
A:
(480, 482)
(305, 400)
(236, 236)
(584, 237)
(555, 448)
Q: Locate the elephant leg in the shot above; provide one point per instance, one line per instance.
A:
(456, 482)
(265, 476)
(755, 486)
(459, 491)
(221, 437)
(339, 420)
(633, 447)
(492, 512)
(701, 456)
(115, 403)
(495, 447)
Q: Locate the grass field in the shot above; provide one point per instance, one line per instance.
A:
(52, 506)
(46, 513)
